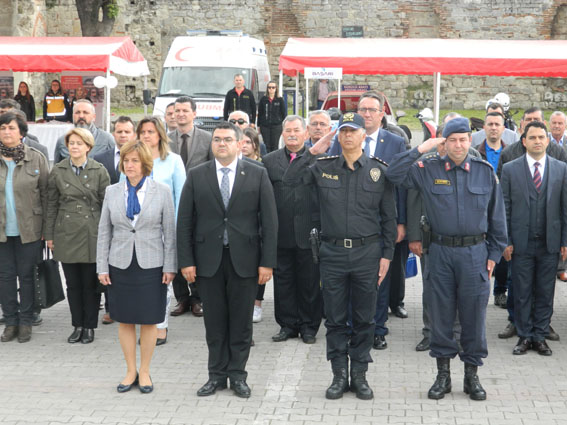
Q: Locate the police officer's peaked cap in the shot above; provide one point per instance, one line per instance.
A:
(352, 120)
(456, 125)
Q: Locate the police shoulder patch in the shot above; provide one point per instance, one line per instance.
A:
(381, 161)
(327, 157)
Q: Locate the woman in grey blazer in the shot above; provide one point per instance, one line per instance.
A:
(136, 258)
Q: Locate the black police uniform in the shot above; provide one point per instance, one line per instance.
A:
(465, 207)
(358, 227)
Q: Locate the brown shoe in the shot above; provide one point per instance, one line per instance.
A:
(24, 333)
(181, 308)
(562, 276)
(197, 309)
(106, 320)
(10, 332)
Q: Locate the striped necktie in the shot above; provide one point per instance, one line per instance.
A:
(537, 176)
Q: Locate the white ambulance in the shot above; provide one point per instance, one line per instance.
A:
(203, 64)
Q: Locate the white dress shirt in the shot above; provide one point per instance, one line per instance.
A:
(231, 174)
(141, 195)
(541, 167)
(373, 142)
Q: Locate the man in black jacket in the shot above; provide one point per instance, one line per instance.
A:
(297, 293)
(227, 237)
(240, 98)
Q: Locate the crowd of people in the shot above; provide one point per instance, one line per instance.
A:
(144, 215)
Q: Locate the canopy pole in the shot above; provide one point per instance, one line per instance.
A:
(436, 96)
(107, 101)
(339, 96)
(307, 97)
(145, 88)
(296, 106)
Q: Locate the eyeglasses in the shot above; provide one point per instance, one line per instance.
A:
(239, 121)
(371, 110)
(271, 87)
(225, 140)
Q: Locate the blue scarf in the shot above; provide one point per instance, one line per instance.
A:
(133, 206)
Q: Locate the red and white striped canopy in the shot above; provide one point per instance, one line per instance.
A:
(56, 54)
(537, 58)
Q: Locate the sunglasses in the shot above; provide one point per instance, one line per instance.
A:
(272, 87)
(239, 121)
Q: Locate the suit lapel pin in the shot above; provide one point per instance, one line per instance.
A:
(242, 173)
(381, 140)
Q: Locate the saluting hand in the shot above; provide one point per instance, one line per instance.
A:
(323, 144)
(384, 266)
(430, 144)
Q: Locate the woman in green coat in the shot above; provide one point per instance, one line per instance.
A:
(75, 194)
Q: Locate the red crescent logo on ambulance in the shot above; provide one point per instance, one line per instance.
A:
(178, 54)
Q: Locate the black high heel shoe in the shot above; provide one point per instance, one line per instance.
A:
(146, 389)
(162, 341)
(121, 388)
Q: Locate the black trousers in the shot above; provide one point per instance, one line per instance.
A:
(183, 291)
(17, 261)
(398, 275)
(350, 274)
(533, 278)
(82, 294)
(271, 136)
(228, 301)
(297, 292)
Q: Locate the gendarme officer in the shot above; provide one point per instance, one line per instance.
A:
(464, 205)
(358, 231)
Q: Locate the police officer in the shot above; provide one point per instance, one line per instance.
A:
(464, 205)
(358, 232)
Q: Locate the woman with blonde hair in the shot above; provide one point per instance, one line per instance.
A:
(136, 258)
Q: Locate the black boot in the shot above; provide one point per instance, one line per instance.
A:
(339, 385)
(472, 385)
(359, 384)
(442, 384)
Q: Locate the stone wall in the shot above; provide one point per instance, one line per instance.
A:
(153, 24)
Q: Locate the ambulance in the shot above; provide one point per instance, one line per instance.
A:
(203, 64)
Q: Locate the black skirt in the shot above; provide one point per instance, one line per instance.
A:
(136, 295)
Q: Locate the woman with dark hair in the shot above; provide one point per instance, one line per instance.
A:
(56, 105)
(136, 258)
(23, 203)
(76, 192)
(271, 113)
(251, 144)
(25, 99)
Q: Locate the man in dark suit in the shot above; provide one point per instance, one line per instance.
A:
(187, 140)
(227, 238)
(297, 292)
(557, 123)
(510, 153)
(194, 147)
(382, 144)
(124, 131)
(535, 195)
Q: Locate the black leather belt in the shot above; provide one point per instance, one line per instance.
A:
(457, 241)
(351, 243)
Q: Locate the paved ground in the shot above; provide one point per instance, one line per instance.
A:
(48, 381)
